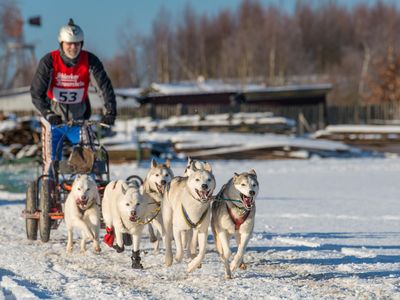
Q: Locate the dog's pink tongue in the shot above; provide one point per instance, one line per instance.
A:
(247, 200)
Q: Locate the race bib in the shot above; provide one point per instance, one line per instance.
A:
(68, 96)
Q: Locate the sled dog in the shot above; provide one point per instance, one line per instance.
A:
(189, 239)
(154, 185)
(233, 213)
(82, 212)
(186, 205)
(125, 211)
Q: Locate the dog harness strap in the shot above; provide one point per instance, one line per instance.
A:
(237, 221)
(189, 222)
(219, 196)
(156, 210)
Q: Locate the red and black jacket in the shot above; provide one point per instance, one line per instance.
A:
(42, 82)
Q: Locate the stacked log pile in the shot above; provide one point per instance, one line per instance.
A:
(21, 140)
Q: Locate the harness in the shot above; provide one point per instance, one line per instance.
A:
(238, 221)
(244, 213)
(157, 210)
(189, 222)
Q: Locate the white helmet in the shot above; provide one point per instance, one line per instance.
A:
(70, 33)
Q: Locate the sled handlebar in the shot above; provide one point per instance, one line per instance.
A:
(84, 123)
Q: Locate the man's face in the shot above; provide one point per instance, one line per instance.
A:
(71, 50)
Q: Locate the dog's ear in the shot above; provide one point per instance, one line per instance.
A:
(193, 166)
(124, 188)
(252, 172)
(207, 167)
(236, 175)
(168, 163)
(189, 160)
(153, 163)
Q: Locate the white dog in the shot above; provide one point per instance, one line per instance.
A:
(125, 211)
(186, 205)
(154, 185)
(189, 239)
(82, 212)
(233, 213)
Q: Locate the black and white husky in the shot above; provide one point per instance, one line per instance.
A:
(233, 213)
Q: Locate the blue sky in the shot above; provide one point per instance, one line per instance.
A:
(101, 20)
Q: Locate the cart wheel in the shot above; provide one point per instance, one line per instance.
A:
(30, 207)
(44, 203)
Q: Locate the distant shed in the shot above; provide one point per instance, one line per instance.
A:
(306, 103)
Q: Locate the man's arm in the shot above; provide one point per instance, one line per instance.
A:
(40, 84)
(102, 83)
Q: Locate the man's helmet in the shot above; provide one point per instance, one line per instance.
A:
(70, 33)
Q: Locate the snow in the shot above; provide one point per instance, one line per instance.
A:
(325, 229)
(360, 129)
(126, 134)
(215, 86)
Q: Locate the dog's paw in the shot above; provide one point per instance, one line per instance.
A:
(119, 249)
(69, 250)
(192, 265)
(228, 276)
(97, 249)
(243, 266)
(178, 259)
(168, 261)
(136, 265)
(234, 265)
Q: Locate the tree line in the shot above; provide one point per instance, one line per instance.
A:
(356, 49)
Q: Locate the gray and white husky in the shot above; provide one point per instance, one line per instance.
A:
(233, 213)
(154, 186)
(186, 206)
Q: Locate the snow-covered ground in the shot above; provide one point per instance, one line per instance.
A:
(325, 229)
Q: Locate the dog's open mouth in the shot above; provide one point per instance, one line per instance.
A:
(133, 217)
(247, 201)
(160, 188)
(204, 195)
(81, 203)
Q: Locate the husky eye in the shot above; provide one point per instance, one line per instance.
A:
(137, 204)
(254, 184)
(79, 188)
(127, 204)
(197, 179)
(209, 179)
(243, 184)
(157, 175)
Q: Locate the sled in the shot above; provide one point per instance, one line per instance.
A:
(45, 196)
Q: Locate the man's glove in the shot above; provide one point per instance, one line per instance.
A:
(53, 119)
(108, 119)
